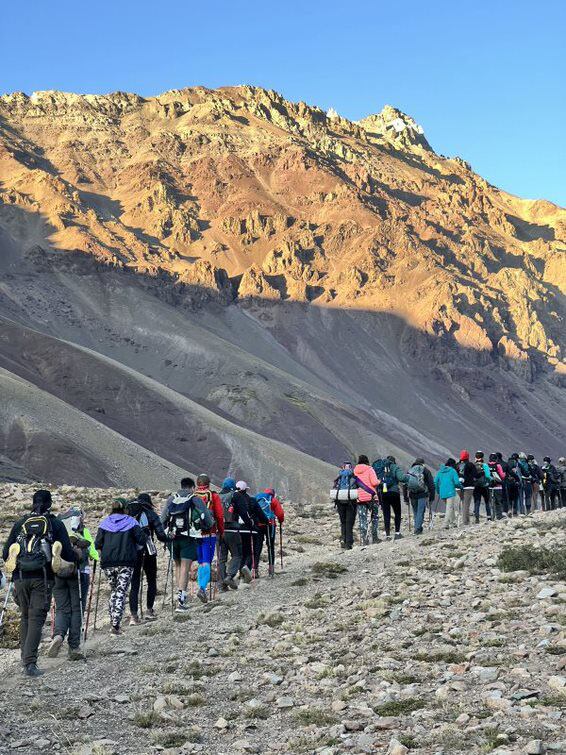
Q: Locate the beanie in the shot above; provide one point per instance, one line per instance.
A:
(464, 456)
(229, 484)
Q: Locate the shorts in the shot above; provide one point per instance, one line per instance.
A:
(185, 548)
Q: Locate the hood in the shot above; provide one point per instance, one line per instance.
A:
(118, 523)
(445, 468)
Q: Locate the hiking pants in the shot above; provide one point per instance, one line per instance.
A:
(391, 500)
(68, 612)
(364, 509)
(419, 508)
(497, 502)
(527, 496)
(149, 565)
(33, 598)
(562, 498)
(347, 514)
(206, 552)
(247, 550)
(266, 533)
(231, 544)
(119, 578)
(480, 493)
(466, 496)
(551, 497)
(450, 519)
(513, 498)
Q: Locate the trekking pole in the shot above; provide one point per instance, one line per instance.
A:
(5, 606)
(281, 543)
(80, 602)
(253, 554)
(97, 599)
(52, 611)
(167, 579)
(409, 515)
(89, 601)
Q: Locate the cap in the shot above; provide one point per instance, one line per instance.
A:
(241, 485)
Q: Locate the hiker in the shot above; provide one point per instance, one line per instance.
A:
(345, 494)
(447, 483)
(526, 481)
(273, 510)
(513, 486)
(418, 490)
(390, 474)
(497, 478)
(206, 538)
(73, 519)
(143, 511)
(67, 592)
(482, 487)
(37, 545)
(467, 473)
(118, 538)
(504, 490)
(243, 499)
(550, 483)
(368, 500)
(176, 518)
(235, 517)
(536, 474)
(561, 469)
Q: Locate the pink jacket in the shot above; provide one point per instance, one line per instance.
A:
(368, 476)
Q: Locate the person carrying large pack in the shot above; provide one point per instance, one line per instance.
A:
(561, 469)
(418, 490)
(482, 487)
(550, 483)
(467, 473)
(207, 535)
(37, 547)
(513, 485)
(344, 493)
(526, 476)
(143, 511)
(538, 492)
(273, 510)
(497, 479)
(255, 514)
(236, 517)
(391, 475)
(368, 499)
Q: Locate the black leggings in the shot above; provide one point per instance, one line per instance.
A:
(391, 500)
(150, 570)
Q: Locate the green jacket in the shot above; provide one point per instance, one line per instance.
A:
(92, 552)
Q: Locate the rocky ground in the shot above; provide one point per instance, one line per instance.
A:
(424, 645)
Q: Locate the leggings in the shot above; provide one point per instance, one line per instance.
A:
(391, 500)
(206, 550)
(149, 564)
(365, 509)
(267, 533)
(119, 578)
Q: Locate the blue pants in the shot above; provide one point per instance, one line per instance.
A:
(419, 508)
(206, 549)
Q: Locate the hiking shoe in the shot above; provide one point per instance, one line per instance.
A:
(202, 596)
(231, 583)
(116, 631)
(150, 615)
(32, 670)
(398, 536)
(55, 646)
(246, 574)
(387, 537)
(271, 571)
(255, 573)
(135, 620)
(76, 655)
(13, 554)
(181, 606)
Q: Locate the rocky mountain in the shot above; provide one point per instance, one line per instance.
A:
(222, 279)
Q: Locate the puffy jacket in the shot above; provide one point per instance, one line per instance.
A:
(367, 475)
(118, 539)
(446, 482)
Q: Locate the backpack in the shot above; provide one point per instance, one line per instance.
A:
(264, 500)
(482, 480)
(79, 544)
(416, 479)
(525, 470)
(382, 468)
(494, 472)
(35, 540)
(345, 480)
(202, 501)
(230, 516)
(188, 516)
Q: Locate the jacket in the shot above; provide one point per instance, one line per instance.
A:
(429, 482)
(150, 523)
(253, 509)
(60, 534)
(467, 473)
(482, 481)
(496, 468)
(240, 512)
(446, 482)
(217, 511)
(561, 469)
(276, 507)
(550, 477)
(118, 539)
(367, 475)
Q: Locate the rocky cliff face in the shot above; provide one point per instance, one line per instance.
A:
(351, 250)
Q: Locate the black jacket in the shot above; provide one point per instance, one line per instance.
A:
(251, 508)
(119, 540)
(151, 524)
(241, 512)
(468, 472)
(60, 534)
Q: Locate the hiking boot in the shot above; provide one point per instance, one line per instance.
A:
(246, 574)
(231, 583)
(477, 520)
(32, 670)
(223, 588)
(134, 620)
(255, 573)
(76, 655)
(398, 536)
(55, 646)
(150, 615)
(387, 537)
(202, 596)
(115, 631)
(13, 554)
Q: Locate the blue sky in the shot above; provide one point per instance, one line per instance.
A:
(486, 79)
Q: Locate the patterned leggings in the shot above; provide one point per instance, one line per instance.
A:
(372, 507)
(119, 578)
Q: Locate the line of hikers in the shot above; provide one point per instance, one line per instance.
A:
(506, 488)
(54, 559)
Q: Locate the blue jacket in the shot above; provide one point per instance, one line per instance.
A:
(446, 482)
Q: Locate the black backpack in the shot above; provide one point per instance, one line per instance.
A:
(35, 540)
(230, 516)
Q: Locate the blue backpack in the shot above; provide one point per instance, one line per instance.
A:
(382, 468)
(264, 500)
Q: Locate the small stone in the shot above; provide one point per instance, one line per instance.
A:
(462, 719)
(547, 592)
(221, 724)
(396, 748)
(534, 747)
(352, 725)
(338, 706)
(284, 703)
(235, 676)
(160, 704)
(122, 699)
(42, 743)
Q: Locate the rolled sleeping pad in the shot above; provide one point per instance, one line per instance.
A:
(344, 495)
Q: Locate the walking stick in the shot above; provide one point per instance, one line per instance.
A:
(52, 611)
(5, 606)
(97, 599)
(253, 554)
(89, 601)
(167, 578)
(80, 602)
(281, 542)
